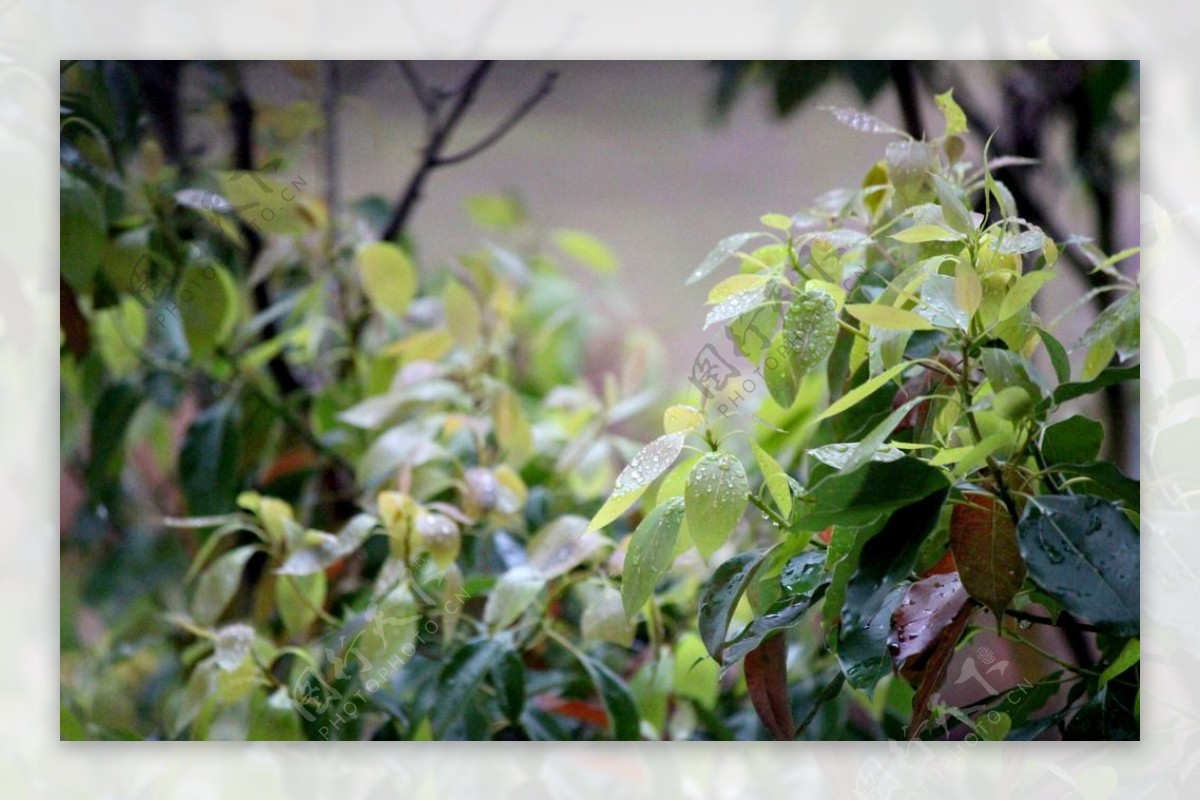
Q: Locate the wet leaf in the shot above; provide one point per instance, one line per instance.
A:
(320, 555)
(720, 598)
(459, 681)
(681, 418)
(1084, 552)
(862, 495)
(983, 540)
(604, 619)
(929, 606)
(873, 591)
(618, 703)
(563, 545)
(648, 464)
(716, 497)
(651, 552)
(724, 249)
(513, 595)
(837, 454)
(766, 682)
(809, 330)
(219, 583)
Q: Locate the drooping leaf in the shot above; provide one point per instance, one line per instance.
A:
(618, 703)
(716, 496)
(929, 606)
(460, 679)
(648, 464)
(983, 540)
(809, 330)
(766, 682)
(781, 616)
(1058, 356)
(1084, 552)
(651, 551)
(874, 589)
(721, 596)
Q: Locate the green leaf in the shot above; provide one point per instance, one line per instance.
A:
(1022, 293)
(939, 304)
(459, 681)
(681, 418)
(809, 329)
(716, 496)
(968, 289)
(82, 231)
(983, 540)
(696, 674)
(618, 703)
(500, 212)
(463, 315)
(837, 455)
(736, 285)
(266, 205)
(273, 718)
(208, 304)
(953, 208)
(1005, 369)
(651, 552)
(724, 249)
(562, 545)
(208, 461)
(1084, 552)
(1130, 655)
(319, 555)
(869, 448)
(918, 234)
(721, 596)
(70, 727)
(860, 496)
(863, 390)
(111, 416)
(777, 373)
(888, 317)
(737, 305)
(388, 277)
(219, 583)
(875, 589)
(604, 619)
(508, 677)
(780, 222)
(586, 249)
(513, 433)
(513, 595)
(298, 598)
(956, 120)
(1072, 441)
(1058, 356)
(1105, 480)
(775, 478)
(1113, 375)
(648, 464)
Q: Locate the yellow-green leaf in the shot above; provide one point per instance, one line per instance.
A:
(586, 249)
(891, 317)
(735, 285)
(926, 233)
(968, 289)
(1022, 293)
(681, 418)
(956, 120)
(463, 317)
(207, 301)
(388, 276)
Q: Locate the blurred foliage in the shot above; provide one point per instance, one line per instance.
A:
(315, 488)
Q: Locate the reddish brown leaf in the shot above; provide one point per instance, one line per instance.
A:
(929, 606)
(983, 540)
(766, 680)
(926, 672)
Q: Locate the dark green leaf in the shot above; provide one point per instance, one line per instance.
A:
(874, 590)
(1106, 481)
(860, 496)
(110, 419)
(1108, 377)
(1084, 551)
(459, 680)
(82, 230)
(208, 462)
(1072, 441)
(1058, 356)
(781, 616)
(721, 597)
(508, 677)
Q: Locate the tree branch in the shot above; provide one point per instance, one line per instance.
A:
(904, 78)
(506, 125)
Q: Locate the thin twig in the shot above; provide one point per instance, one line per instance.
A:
(506, 125)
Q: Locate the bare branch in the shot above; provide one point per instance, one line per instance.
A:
(506, 125)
